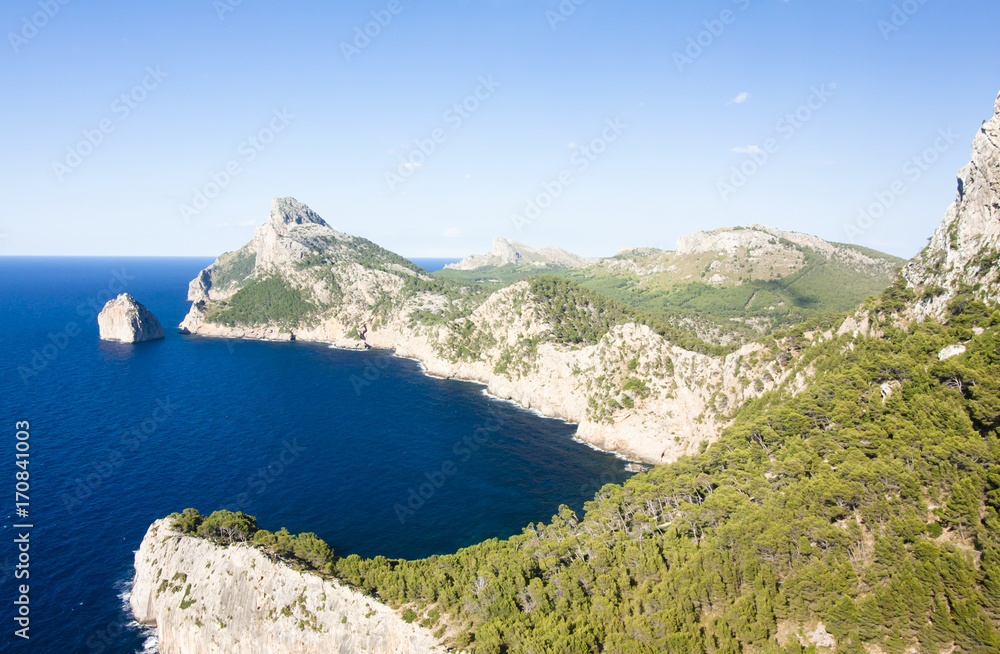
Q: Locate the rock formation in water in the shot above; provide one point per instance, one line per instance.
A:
(506, 252)
(204, 598)
(124, 319)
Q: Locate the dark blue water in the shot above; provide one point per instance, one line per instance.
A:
(300, 435)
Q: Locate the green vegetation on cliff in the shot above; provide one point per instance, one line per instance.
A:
(268, 301)
(237, 268)
(870, 501)
(228, 528)
(879, 518)
(819, 285)
(581, 316)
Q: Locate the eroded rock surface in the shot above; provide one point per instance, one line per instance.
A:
(206, 598)
(126, 320)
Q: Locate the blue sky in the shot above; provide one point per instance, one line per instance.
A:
(625, 123)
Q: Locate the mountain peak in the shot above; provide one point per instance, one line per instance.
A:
(289, 211)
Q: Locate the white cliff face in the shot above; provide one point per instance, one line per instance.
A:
(506, 251)
(966, 246)
(678, 398)
(124, 319)
(205, 598)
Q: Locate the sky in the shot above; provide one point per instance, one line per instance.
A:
(165, 129)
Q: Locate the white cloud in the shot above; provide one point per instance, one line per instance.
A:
(740, 99)
(750, 149)
(452, 232)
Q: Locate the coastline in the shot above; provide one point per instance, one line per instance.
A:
(486, 391)
(630, 462)
(684, 401)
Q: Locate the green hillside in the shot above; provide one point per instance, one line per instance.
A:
(877, 514)
(762, 291)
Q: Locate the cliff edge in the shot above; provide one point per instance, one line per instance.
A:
(204, 598)
(964, 253)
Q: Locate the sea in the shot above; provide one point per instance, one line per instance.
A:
(361, 448)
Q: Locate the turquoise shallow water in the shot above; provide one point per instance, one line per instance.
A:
(300, 435)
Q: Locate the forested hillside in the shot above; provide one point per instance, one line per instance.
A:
(853, 507)
(867, 502)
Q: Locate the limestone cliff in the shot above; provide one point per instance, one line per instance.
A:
(206, 598)
(506, 252)
(630, 390)
(335, 284)
(125, 319)
(964, 252)
(633, 392)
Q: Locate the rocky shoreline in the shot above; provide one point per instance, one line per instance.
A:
(677, 417)
(630, 390)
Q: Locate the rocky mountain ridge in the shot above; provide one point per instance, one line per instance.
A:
(728, 286)
(656, 404)
(506, 252)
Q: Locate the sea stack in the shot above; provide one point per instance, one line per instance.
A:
(124, 319)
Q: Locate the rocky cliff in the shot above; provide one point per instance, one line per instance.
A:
(206, 598)
(630, 390)
(125, 319)
(964, 253)
(511, 252)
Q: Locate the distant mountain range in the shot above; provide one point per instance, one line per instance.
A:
(725, 284)
(511, 252)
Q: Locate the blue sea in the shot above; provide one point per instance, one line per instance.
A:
(301, 435)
